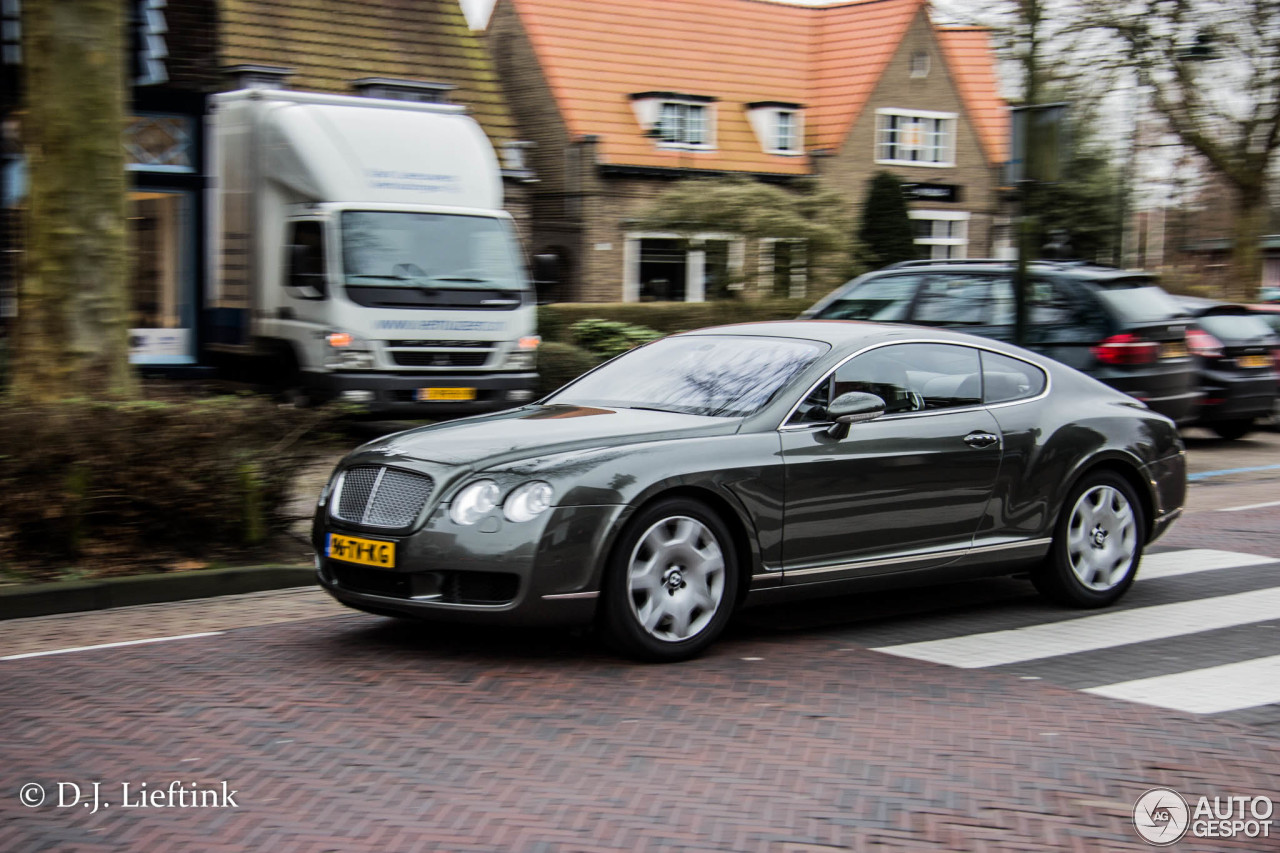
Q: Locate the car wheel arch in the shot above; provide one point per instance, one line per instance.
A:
(745, 545)
(1130, 471)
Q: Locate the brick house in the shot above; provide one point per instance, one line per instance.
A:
(181, 52)
(621, 98)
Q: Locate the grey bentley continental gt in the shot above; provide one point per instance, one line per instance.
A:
(733, 466)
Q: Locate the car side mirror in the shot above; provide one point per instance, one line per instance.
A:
(855, 407)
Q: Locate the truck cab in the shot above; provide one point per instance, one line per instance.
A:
(363, 255)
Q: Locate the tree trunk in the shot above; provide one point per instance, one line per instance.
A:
(1246, 242)
(71, 337)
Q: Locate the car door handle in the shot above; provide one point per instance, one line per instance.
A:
(981, 439)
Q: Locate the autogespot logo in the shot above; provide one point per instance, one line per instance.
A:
(1161, 817)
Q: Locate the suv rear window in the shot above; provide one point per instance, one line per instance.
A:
(885, 299)
(1138, 300)
(1234, 327)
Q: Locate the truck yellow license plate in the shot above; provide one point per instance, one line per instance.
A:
(366, 552)
(1253, 361)
(433, 395)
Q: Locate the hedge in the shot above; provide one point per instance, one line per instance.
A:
(126, 487)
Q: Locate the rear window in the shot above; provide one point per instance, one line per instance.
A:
(1138, 300)
(1234, 327)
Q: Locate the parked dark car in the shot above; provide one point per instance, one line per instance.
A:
(1115, 325)
(743, 464)
(1236, 351)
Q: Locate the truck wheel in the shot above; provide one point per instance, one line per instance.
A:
(1097, 544)
(671, 582)
(1231, 430)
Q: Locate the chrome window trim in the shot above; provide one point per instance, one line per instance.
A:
(783, 426)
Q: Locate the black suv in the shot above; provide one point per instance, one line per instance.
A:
(1115, 325)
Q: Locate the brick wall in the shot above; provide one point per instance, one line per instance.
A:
(853, 166)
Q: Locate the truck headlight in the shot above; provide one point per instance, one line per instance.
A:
(474, 502)
(525, 354)
(346, 351)
(527, 502)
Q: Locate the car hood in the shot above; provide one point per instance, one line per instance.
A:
(491, 440)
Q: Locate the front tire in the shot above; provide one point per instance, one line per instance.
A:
(1097, 544)
(671, 582)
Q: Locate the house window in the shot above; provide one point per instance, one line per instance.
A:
(944, 232)
(920, 64)
(663, 267)
(785, 137)
(682, 124)
(915, 138)
(784, 268)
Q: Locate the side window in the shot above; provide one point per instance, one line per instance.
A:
(884, 299)
(306, 258)
(961, 299)
(1048, 305)
(1005, 379)
(908, 377)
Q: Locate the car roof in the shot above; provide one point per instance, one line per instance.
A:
(1095, 273)
(841, 333)
(1200, 306)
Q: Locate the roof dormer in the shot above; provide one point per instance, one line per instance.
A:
(676, 119)
(778, 125)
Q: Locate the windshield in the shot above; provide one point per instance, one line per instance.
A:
(388, 249)
(714, 375)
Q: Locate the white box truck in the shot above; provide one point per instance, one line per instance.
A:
(361, 253)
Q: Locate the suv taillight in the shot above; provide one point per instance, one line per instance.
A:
(1203, 344)
(1126, 349)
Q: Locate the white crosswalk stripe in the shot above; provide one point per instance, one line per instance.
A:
(1205, 690)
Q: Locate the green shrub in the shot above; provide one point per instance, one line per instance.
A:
(559, 364)
(126, 487)
(556, 320)
(607, 338)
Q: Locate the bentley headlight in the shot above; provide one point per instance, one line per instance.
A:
(528, 501)
(474, 502)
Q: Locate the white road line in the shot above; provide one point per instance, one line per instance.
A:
(1249, 506)
(1173, 563)
(111, 645)
(1213, 690)
(1089, 633)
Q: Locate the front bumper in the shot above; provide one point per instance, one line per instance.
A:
(542, 572)
(395, 394)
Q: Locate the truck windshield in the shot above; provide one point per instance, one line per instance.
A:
(388, 249)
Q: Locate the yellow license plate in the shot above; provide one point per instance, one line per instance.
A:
(1253, 361)
(431, 395)
(1175, 350)
(366, 552)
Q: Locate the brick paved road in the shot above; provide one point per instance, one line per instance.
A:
(356, 733)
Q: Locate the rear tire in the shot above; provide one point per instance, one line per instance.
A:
(1232, 430)
(1097, 544)
(670, 583)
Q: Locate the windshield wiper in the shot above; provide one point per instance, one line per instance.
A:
(457, 278)
(391, 277)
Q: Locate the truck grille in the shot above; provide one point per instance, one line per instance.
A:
(375, 496)
(430, 358)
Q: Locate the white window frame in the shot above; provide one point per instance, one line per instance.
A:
(695, 261)
(799, 271)
(943, 147)
(937, 243)
(706, 110)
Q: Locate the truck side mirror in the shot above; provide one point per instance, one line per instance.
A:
(546, 276)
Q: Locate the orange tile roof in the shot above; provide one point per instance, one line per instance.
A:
(972, 63)
(596, 54)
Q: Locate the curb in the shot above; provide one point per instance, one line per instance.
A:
(47, 599)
